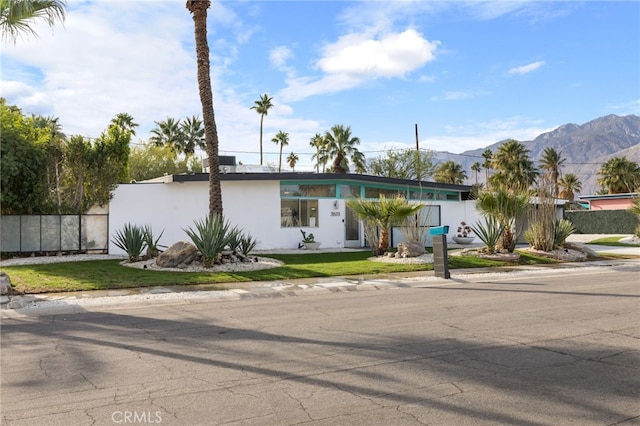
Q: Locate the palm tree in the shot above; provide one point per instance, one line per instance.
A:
(505, 206)
(17, 16)
(318, 142)
(169, 133)
(551, 162)
(281, 138)
(487, 154)
(198, 10)
(125, 123)
(514, 169)
(292, 160)
(262, 107)
(340, 145)
(476, 168)
(384, 213)
(450, 172)
(192, 136)
(619, 175)
(570, 184)
(55, 154)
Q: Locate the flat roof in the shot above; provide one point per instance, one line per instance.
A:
(292, 176)
(610, 196)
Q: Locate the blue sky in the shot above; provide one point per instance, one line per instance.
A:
(468, 73)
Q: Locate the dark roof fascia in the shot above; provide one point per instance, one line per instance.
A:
(610, 196)
(203, 177)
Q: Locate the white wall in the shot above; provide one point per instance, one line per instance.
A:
(253, 206)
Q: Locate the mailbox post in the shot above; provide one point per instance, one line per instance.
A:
(440, 256)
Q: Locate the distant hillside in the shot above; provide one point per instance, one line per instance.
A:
(586, 147)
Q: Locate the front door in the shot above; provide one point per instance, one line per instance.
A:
(351, 229)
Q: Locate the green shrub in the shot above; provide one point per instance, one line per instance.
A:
(210, 237)
(131, 239)
(563, 228)
(490, 231)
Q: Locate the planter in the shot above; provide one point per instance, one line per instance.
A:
(311, 246)
(463, 240)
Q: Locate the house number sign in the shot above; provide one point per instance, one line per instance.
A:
(335, 213)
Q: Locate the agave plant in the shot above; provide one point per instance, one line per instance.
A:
(235, 235)
(153, 248)
(490, 231)
(247, 243)
(563, 228)
(131, 239)
(210, 237)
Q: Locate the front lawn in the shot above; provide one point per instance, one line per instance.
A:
(110, 274)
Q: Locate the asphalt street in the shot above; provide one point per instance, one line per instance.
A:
(527, 347)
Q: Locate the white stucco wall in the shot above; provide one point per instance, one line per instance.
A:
(254, 206)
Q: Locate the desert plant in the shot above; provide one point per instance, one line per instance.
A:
(247, 244)
(505, 206)
(415, 227)
(235, 235)
(307, 238)
(562, 229)
(490, 231)
(153, 248)
(210, 237)
(464, 230)
(131, 239)
(384, 213)
(537, 235)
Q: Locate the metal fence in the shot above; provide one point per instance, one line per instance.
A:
(54, 233)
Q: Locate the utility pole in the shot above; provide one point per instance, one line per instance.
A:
(418, 174)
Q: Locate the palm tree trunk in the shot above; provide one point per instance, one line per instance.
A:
(280, 160)
(198, 9)
(383, 245)
(261, 121)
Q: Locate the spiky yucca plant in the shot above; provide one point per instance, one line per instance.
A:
(563, 228)
(247, 243)
(490, 231)
(153, 248)
(211, 236)
(131, 239)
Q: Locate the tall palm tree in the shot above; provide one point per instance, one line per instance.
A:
(281, 138)
(570, 185)
(476, 168)
(320, 156)
(514, 169)
(17, 16)
(450, 172)
(192, 136)
(262, 107)
(487, 154)
(551, 162)
(198, 10)
(125, 123)
(292, 160)
(340, 145)
(619, 175)
(384, 213)
(55, 154)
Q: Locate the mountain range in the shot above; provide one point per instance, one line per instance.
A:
(584, 147)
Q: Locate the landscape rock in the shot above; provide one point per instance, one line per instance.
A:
(410, 249)
(5, 284)
(178, 253)
(590, 253)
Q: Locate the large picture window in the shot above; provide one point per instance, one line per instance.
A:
(297, 213)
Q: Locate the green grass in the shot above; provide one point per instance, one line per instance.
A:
(110, 274)
(612, 241)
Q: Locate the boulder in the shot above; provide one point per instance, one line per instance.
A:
(5, 284)
(410, 249)
(588, 251)
(182, 252)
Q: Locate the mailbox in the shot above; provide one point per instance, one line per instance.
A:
(439, 230)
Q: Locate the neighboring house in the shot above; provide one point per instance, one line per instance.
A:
(274, 207)
(610, 201)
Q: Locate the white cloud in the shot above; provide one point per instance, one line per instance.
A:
(357, 58)
(525, 69)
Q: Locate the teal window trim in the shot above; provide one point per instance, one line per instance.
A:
(446, 195)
